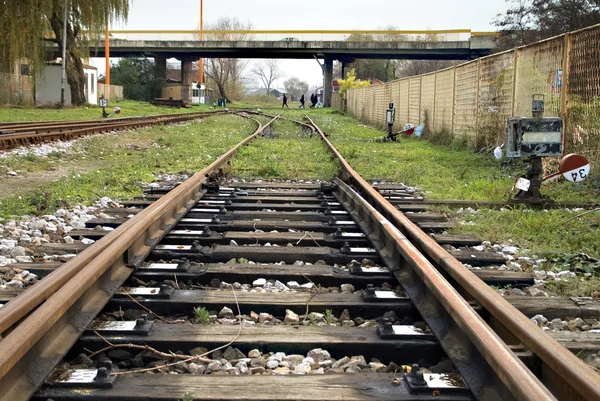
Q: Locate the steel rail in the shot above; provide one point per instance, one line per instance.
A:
(106, 257)
(510, 369)
(577, 380)
(298, 123)
(24, 124)
(19, 125)
(8, 140)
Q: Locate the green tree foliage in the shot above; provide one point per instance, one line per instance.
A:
(25, 27)
(351, 82)
(527, 21)
(138, 78)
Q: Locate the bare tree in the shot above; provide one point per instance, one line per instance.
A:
(419, 67)
(268, 72)
(384, 70)
(408, 68)
(226, 73)
(527, 21)
(295, 87)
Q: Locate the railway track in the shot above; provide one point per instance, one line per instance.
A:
(253, 281)
(26, 133)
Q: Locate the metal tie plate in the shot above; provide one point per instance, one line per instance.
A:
(84, 378)
(372, 295)
(139, 327)
(418, 382)
(163, 292)
(389, 331)
(183, 266)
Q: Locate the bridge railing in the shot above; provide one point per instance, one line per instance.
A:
(474, 99)
(299, 35)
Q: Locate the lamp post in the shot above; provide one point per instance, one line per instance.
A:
(64, 57)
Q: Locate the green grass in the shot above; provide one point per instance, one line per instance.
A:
(202, 314)
(329, 316)
(188, 396)
(291, 154)
(444, 172)
(546, 234)
(129, 108)
(115, 165)
(575, 287)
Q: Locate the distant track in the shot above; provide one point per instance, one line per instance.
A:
(19, 134)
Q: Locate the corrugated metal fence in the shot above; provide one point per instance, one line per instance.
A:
(473, 100)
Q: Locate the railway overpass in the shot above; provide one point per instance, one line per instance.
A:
(343, 46)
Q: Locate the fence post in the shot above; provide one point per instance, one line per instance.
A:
(453, 102)
(514, 86)
(564, 89)
(432, 119)
(420, 98)
(477, 98)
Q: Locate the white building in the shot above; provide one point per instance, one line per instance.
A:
(48, 87)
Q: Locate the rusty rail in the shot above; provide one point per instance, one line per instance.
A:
(80, 287)
(41, 132)
(561, 371)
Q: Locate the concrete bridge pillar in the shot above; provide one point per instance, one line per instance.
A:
(347, 65)
(328, 77)
(160, 69)
(187, 76)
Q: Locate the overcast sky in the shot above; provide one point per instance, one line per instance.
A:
(315, 14)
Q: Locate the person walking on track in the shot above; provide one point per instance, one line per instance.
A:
(285, 102)
(313, 100)
(302, 102)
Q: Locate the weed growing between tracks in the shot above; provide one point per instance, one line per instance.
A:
(116, 165)
(290, 154)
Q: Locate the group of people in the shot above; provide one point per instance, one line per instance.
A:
(314, 101)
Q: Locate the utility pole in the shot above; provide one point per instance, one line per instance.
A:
(64, 57)
(201, 61)
(107, 60)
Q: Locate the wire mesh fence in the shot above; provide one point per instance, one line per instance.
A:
(474, 99)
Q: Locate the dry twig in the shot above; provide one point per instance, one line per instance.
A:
(146, 309)
(581, 214)
(314, 293)
(187, 357)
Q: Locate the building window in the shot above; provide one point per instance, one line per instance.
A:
(92, 83)
(25, 69)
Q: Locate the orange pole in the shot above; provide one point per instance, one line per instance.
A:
(201, 63)
(107, 54)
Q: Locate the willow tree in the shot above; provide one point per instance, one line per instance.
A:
(26, 26)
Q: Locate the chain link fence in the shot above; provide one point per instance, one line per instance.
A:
(474, 99)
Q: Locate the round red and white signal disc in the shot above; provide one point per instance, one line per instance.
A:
(574, 167)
